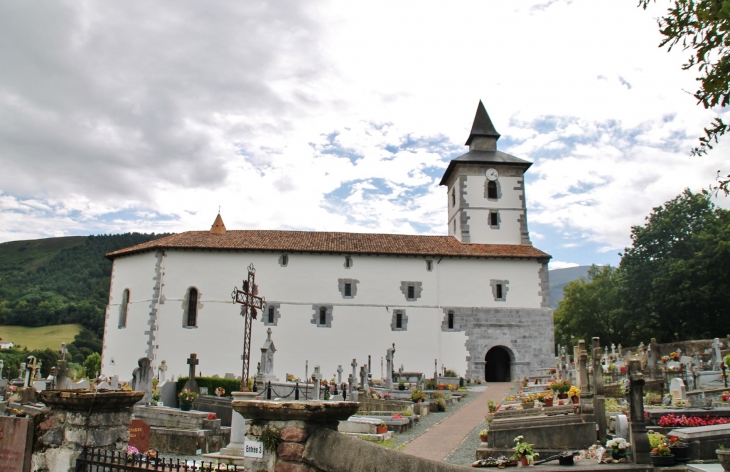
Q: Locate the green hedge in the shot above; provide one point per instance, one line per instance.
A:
(211, 383)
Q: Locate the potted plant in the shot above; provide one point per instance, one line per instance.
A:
(417, 395)
(679, 449)
(401, 385)
(619, 448)
(381, 428)
(441, 386)
(483, 435)
(573, 393)
(661, 456)
(186, 399)
(523, 451)
(528, 401)
(546, 399)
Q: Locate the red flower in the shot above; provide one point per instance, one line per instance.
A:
(212, 416)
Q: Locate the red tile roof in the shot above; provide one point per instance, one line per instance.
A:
(352, 243)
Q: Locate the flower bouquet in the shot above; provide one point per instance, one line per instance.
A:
(619, 448)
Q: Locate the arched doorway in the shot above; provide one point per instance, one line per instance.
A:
(497, 365)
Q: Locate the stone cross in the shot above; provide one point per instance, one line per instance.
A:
(716, 345)
(435, 369)
(306, 370)
(389, 369)
(317, 377)
(370, 370)
(162, 371)
(62, 382)
(351, 381)
(363, 377)
(63, 351)
(22, 370)
(339, 374)
(33, 365)
(613, 351)
(639, 438)
(354, 375)
(192, 362)
(582, 367)
(620, 355)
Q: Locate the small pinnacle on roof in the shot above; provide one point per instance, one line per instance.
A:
(218, 226)
(482, 126)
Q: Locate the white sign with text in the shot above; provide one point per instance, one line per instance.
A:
(253, 449)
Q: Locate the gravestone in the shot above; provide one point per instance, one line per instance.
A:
(82, 384)
(639, 437)
(139, 435)
(142, 379)
(353, 381)
(191, 384)
(716, 355)
(266, 369)
(168, 394)
(339, 374)
(62, 380)
(363, 378)
(317, 378)
(229, 375)
(16, 442)
(115, 382)
(389, 367)
(162, 371)
(678, 389)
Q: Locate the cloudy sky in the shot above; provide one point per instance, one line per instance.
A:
(339, 116)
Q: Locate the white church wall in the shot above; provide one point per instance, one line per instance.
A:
(360, 326)
(481, 231)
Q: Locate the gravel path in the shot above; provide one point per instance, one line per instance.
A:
(465, 453)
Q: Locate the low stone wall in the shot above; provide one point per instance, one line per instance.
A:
(310, 441)
(367, 405)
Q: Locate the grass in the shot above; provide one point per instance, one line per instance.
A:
(43, 337)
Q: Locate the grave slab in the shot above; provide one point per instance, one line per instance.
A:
(702, 441)
(16, 442)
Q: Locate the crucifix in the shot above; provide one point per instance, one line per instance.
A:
(33, 365)
(250, 302)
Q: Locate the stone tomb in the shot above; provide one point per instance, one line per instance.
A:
(704, 440)
(139, 435)
(182, 432)
(16, 441)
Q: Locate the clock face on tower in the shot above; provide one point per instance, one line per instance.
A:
(492, 174)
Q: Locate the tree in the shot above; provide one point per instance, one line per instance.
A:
(675, 273)
(92, 364)
(594, 306)
(702, 26)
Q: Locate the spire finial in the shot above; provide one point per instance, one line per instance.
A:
(218, 226)
(482, 127)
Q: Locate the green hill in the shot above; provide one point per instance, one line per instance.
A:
(59, 281)
(559, 278)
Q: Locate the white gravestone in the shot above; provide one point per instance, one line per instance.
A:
(678, 389)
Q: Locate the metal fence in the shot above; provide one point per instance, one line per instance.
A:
(102, 460)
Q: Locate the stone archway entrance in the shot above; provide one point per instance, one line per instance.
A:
(497, 365)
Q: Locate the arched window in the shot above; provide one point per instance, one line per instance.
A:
(492, 190)
(348, 262)
(192, 320)
(451, 320)
(124, 309)
(322, 315)
(271, 315)
(284, 260)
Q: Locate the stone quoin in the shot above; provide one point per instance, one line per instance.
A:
(477, 299)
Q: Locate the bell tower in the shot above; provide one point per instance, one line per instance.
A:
(486, 190)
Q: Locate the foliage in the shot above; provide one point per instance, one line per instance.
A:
(450, 373)
(483, 433)
(417, 394)
(41, 337)
(212, 383)
(12, 358)
(441, 404)
(407, 413)
(559, 386)
(671, 284)
(92, 364)
(661, 450)
(701, 26)
(271, 438)
(574, 391)
(655, 439)
(186, 397)
(493, 406)
(652, 398)
(50, 282)
(617, 445)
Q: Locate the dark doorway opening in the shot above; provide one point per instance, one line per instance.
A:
(497, 365)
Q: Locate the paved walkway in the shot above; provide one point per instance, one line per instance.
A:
(443, 438)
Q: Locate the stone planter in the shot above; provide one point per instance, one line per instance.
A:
(528, 405)
(724, 456)
(662, 461)
(89, 399)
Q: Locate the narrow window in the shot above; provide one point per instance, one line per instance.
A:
(399, 320)
(494, 218)
(451, 320)
(492, 190)
(348, 290)
(271, 315)
(124, 309)
(322, 315)
(454, 226)
(284, 260)
(347, 261)
(429, 265)
(193, 307)
(411, 292)
(499, 291)
(453, 197)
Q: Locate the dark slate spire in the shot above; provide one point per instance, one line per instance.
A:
(482, 126)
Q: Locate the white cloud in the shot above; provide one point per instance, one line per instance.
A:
(336, 116)
(562, 265)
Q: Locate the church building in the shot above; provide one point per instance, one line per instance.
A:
(475, 301)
